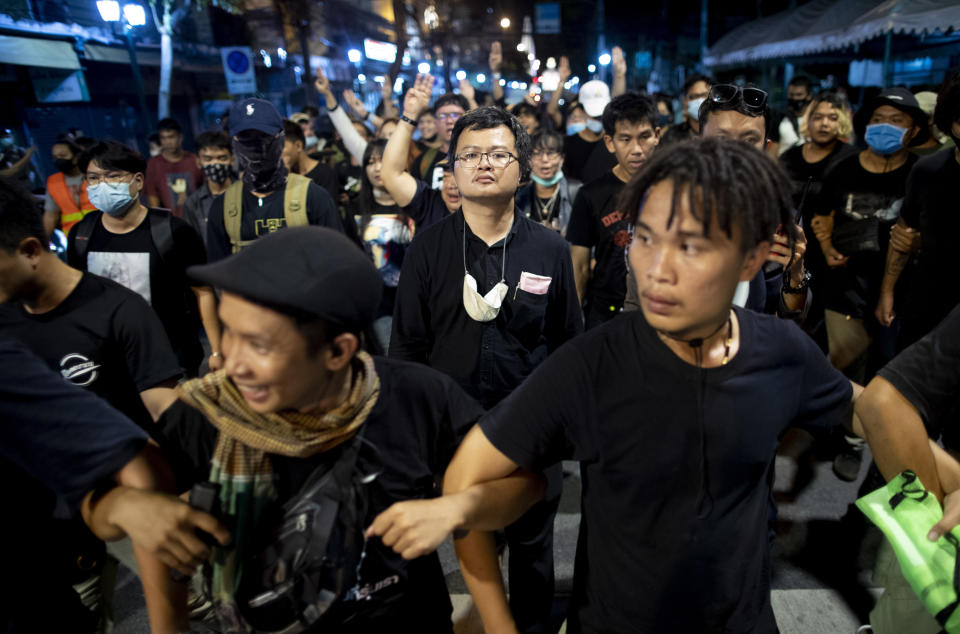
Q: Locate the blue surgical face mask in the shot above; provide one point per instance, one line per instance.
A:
(576, 128)
(543, 182)
(113, 199)
(693, 107)
(885, 138)
(595, 126)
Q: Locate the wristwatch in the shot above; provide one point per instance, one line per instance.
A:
(800, 288)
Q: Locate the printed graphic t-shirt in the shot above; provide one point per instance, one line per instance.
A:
(102, 337)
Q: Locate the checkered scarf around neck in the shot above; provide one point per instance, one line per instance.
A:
(240, 462)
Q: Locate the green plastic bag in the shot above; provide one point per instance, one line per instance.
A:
(905, 511)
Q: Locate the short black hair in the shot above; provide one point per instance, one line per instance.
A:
(662, 97)
(524, 108)
(154, 138)
(740, 185)
(737, 105)
(293, 132)
(111, 155)
(687, 85)
(20, 216)
(451, 98)
(947, 110)
(214, 139)
(311, 111)
(802, 80)
(632, 107)
(70, 143)
(169, 124)
(486, 118)
(548, 140)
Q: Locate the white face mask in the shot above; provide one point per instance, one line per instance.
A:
(483, 307)
(693, 107)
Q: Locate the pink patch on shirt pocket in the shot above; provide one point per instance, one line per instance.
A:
(534, 284)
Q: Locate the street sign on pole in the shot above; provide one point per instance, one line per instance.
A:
(547, 18)
(238, 70)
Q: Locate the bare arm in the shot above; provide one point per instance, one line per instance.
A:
(823, 230)
(361, 110)
(469, 93)
(619, 72)
(158, 398)
(581, 268)
(207, 304)
(496, 61)
(401, 185)
(897, 436)
(553, 108)
(386, 95)
(15, 169)
(904, 241)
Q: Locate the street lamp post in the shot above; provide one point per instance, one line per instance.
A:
(134, 15)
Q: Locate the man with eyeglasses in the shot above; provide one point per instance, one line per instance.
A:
(598, 228)
(447, 109)
(268, 197)
(145, 249)
(484, 296)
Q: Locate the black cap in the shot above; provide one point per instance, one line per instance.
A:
(899, 98)
(305, 272)
(255, 114)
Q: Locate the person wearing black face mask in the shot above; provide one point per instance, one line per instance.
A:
(215, 158)
(267, 197)
(66, 201)
(787, 133)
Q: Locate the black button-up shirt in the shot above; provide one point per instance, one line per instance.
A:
(488, 359)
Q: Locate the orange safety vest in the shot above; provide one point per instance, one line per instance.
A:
(60, 192)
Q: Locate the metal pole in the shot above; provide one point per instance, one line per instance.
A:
(886, 59)
(704, 16)
(135, 67)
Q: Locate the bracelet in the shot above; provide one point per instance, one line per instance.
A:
(800, 288)
(335, 106)
(495, 75)
(404, 117)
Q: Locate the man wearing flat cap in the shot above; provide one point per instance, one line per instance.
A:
(267, 197)
(295, 391)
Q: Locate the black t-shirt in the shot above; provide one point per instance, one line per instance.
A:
(808, 177)
(102, 337)
(427, 206)
(873, 202)
(260, 216)
(586, 161)
(595, 222)
(676, 483)
(930, 206)
(431, 172)
(132, 260)
(415, 426)
(928, 373)
(326, 177)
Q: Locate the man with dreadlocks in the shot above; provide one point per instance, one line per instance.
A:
(674, 410)
(297, 393)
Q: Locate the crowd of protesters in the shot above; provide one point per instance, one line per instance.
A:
(414, 319)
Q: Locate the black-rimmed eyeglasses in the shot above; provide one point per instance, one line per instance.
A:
(752, 98)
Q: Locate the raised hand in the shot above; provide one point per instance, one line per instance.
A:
(496, 57)
(418, 97)
(563, 69)
(355, 104)
(618, 62)
(322, 84)
(467, 90)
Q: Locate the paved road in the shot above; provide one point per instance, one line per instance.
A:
(818, 570)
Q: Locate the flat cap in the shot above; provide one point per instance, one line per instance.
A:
(304, 272)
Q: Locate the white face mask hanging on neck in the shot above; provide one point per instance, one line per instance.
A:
(483, 307)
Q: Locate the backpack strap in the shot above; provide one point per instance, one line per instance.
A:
(295, 200)
(426, 163)
(232, 212)
(161, 231)
(81, 239)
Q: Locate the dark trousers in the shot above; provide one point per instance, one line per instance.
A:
(530, 569)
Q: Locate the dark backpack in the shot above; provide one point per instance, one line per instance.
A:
(161, 231)
(307, 557)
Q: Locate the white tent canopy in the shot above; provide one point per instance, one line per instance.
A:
(824, 25)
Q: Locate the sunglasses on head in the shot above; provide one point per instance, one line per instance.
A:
(751, 97)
